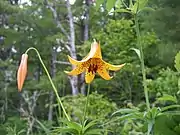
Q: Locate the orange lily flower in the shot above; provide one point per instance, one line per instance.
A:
(92, 64)
(22, 71)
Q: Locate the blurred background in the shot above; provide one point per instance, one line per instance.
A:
(58, 28)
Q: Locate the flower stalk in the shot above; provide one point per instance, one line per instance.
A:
(50, 79)
(86, 105)
(139, 43)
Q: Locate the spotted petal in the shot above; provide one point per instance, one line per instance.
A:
(76, 71)
(89, 76)
(104, 73)
(73, 61)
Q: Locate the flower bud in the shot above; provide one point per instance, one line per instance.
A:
(22, 72)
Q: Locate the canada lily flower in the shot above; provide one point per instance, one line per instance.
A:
(22, 71)
(92, 64)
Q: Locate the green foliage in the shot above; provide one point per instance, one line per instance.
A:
(13, 126)
(35, 26)
(5, 7)
(149, 117)
(165, 83)
(167, 125)
(166, 97)
(74, 128)
(98, 106)
(110, 4)
(13, 131)
(118, 36)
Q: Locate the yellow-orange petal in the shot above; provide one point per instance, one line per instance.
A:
(22, 71)
(78, 70)
(114, 67)
(98, 53)
(73, 61)
(104, 73)
(94, 48)
(92, 53)
(89, 76)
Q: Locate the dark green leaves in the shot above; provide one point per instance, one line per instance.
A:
(75, 128)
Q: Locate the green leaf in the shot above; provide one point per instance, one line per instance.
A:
(142, 4)
(71, 127)
(147, 9)
(177, 61)
(150, 126)
(131, 116)
(137, 52)
(130, 4)
(47, 131)
(94, 132)
(134, 9)
(169, 107)
(152, 114)
(138, 6)
(65, 130)
(126, 110)
(98, 3)
(122, 11)
(110, 4)
(164, 126)
(89, 125)
(167, 98)
(74, 125)
(179, 83)
(172, 113)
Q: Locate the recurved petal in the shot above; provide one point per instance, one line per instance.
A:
(98, 53)
(104, 73)
(76, 71)
(85, 57)
(114, 67)
(89, 76)
(73, 61)
(22, 71)
(95, 52)
(92, 53)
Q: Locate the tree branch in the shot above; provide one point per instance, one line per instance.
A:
(72, 32)
(51, 6)
(62, 62)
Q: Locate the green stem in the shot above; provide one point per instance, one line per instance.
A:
(50, 79)
(142, 62)
(86, 105)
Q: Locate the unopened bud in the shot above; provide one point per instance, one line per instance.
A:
(22, 72)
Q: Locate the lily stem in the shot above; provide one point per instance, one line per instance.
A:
(50, 79)
(139, 43)
(86, 105)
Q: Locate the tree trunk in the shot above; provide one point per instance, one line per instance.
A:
(73, 79)
(85, 38)
(86, 21)
(51, 94)
(71, 38)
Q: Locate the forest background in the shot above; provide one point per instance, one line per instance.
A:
(58, 28)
